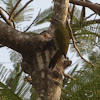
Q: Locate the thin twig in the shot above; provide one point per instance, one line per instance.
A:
(90, 16)
(12, 12)
(13, 23)
(82, 12)
(22, 9)
(74, 44)
(72, 12)
(33, 21)
(68, 15)
(5, 19)
(8, 15)
(5, 10)
(69, 76)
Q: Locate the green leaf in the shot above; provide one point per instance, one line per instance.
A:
(7, 94)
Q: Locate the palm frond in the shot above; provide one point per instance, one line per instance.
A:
(13, 80)
(21, 17)
(40, 30)
(6, 93)
(44, 16)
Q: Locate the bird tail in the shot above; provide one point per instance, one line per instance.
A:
(54, 59)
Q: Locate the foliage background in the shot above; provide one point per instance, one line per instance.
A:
(12, 81)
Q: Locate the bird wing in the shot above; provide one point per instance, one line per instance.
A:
(62, 39)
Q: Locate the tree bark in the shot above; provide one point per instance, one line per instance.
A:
(37, 51)
(60, 12)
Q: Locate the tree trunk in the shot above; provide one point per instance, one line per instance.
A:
(37, 51)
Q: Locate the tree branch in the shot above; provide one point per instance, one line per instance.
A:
(22, 42)
(90, 16)
(5, 10)
(22, 9)
(12, 12)
(72, 12)
(82, 13)
(69, 76)
(11, 37)
(5, 19)
(74, 44)
(94, 7)
(8, 14)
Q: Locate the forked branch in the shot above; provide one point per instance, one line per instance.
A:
(4, 10)
(5, 18)
(92, 6)
(22, 9)
(12, 12)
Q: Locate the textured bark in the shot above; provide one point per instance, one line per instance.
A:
(60, 12)
(37, 51)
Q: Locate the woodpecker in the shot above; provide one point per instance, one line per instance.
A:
(61, 38)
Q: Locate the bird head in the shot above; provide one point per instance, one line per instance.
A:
(55, 22)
